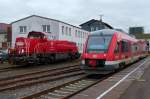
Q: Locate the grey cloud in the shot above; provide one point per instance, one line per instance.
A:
(119, 13)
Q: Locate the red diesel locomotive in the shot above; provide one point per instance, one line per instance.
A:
(37, 48)
(107, 50)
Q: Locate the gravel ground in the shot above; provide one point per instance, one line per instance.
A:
(18, 93)
(30, 69)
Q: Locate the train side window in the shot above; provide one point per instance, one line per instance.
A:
(117, 48)
(136, 48)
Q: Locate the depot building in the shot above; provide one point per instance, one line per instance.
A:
(58, 30)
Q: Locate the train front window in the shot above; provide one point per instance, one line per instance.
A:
(98, 44)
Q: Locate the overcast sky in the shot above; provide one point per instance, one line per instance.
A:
(118, 13)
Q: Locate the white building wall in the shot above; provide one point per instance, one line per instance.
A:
(65, 36)
(16, 30)
(79, 40)
(34, 24)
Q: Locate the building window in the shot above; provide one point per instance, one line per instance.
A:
(66, 30)
(62, 30)
(23, 29)
(97, 28)
(76, 33)
(46, 28)
(69, 31)
(5, 37)
(92, 28)
(81, 34)
(86, 35)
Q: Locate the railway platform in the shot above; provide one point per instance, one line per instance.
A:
(131, 83)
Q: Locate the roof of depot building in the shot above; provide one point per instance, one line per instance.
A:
(44, 18)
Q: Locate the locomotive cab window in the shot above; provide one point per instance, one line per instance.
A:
(98, 43)
(36, 36)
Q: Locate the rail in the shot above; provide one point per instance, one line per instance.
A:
(39, 77)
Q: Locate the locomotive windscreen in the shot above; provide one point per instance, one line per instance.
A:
(98, 43)
(35, 35)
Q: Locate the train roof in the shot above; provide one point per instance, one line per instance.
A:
(120, 35)
(103, 31)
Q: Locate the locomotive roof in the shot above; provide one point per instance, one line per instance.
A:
(32, 32)
(36, 32)
(120, 35)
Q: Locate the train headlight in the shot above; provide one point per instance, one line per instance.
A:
(83, 61)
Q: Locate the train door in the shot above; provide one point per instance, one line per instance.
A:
(117, 51)
(125, 52)
(135, 51)
(129, 53)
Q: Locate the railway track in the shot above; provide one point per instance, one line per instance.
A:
(39, 77)
(15, 67)
(8, 69)
(67, 90)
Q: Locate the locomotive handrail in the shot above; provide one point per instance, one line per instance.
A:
(27, 47)
(37, 47)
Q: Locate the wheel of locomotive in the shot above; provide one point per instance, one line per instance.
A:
(1, 61)
(77, 55)
(11, 61)
(70, 56)
(52, 58)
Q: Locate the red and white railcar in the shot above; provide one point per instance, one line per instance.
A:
(107, 50)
